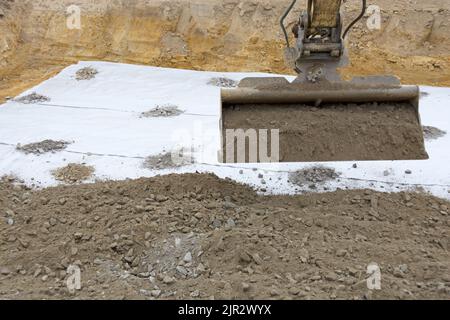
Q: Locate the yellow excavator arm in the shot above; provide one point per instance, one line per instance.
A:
(325, 13)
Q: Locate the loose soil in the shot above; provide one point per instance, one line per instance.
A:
(377, 131)
(313, 175)
(163, 112)
(432, 133)
(33, 98)
(87, 73)
(42, 147)
(196, 236)
(223, 82)
(73, 173)
(165, 161)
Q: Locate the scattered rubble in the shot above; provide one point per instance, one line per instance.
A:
(86, 73)
(43, 147)
(32, 98)
(432, 133)
(163, 112)
(223, 82)
(167, 161)
(73, 173)
(313, 175)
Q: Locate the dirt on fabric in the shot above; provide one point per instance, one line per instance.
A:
(433, 133)
(196, 236)
(313, 175)
(73, 173)
(33, 98)
(87, 73)
(43, 147)
(166, 111)
(375, 131)
(166, 160)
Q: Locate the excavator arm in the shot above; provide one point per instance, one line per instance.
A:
(319, 31)
(319, 116)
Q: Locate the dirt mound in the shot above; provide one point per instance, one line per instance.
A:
(313, 175)
(432, 133)
(163, 112)
(377, 131)
(87, 73)
(73, 173)
(42, 147)
(33, 98)
(196, 236)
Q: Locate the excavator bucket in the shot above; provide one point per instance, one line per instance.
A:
(272, 120)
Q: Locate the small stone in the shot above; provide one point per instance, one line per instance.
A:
(408, 172)
(245, 257)
(188, 257)
(195, 294)
(294, 291)
(182, 270)
(4, 271)
(245, 287)
(231, 223)
(74, 251)
(274, 293)
(341, 253)
(155, 293)
(168, 280)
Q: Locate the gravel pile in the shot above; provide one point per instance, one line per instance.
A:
(43, 147)
(87, 73)
(33, 98)
(163, 112)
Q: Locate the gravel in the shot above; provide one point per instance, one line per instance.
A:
(43, 147)
(223, 82)
(87, 73)
(33, 98)
(163, 112)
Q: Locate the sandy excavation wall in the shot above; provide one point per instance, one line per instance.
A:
(226, 35)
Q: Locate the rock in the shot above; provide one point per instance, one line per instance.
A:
(4, 271)
(195, 294)
(231, 223)
(188, 257)
(161, 198)
(341, 253)
(274, 293)
(245, 257)
(216, 223)
(408, 171)
(155, 293)
(245, 287)
(294, 291)
(182, 271)
(168, 280)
